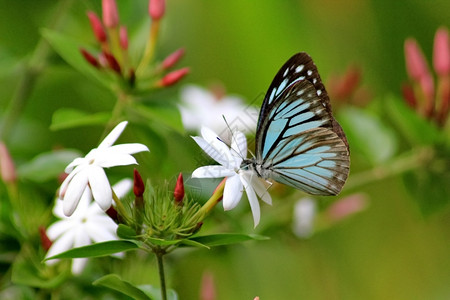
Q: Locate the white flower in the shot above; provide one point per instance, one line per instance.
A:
(304, 216)
(87, 172)
(237, 179)
(201, 107)
(88, 224)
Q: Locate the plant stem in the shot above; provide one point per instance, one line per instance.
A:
(407, 162)
(215, 198)
(32, 69)
(159, 252)
(150, 48)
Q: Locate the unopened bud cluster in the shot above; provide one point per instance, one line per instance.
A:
(114, 56)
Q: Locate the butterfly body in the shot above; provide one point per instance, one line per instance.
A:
(298, 142)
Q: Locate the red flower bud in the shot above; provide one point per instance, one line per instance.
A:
(173, 77)
(90, 58)
(110, 14)
(178, 193)
(7, 168)
(46, 243)
(139, 187)
(112, 213)
(97, 27)
(207, 289)
(409, 96)
(173, 58)
(113, 64)
(156, 9)
(123, 37)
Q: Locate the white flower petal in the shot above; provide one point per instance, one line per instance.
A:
(78, 265)
(64, 243)
(123, 187)
(221, 156)
(239, 145)
(252, 199)
(212, 172)
(130, 148)
(232, 193)
(113, 159)
(99, 234)
(260, 189)
(111, 138)
(58, 228)
(73, 193)
(100, 187)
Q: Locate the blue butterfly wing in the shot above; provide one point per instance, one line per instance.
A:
(298, 141)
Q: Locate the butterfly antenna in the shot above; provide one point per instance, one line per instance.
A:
(239, 152)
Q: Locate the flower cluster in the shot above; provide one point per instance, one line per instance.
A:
(114, 56)
(429, 100)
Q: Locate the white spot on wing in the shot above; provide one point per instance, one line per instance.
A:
(299, 68)
(319, 92)
(309, 72)
(314, 81)
(285, 72)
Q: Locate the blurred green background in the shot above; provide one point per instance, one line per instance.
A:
(389, 251)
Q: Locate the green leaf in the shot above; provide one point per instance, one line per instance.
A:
(69, 50)
(155, 292)
(99, 249)
(161, 242)
(416, 129)
(226, 239)
(166, 115)
(368, 135)
(125, 232)
(65, 118)
(114, 282)
(47, 165)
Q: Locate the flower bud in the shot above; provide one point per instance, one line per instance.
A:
(347, 206)
(207, 289)
(110, 14)
(156, 9)
(409, 96)
(173, 77)
(178, 193)
(112, 62)
(46, 243)
(90, 58)
(97, 27)
(173, 58)
(441, 52)
(123, 37)
(416, 65)
(139, 187)
(112, 213)
(7, 168)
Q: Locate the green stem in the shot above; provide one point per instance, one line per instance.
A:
(150, 48)
(159, 252)
(407, 162)
(32, 69)
(215, 198)
(119, 206)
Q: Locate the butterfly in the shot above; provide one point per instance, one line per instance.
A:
(298, 142)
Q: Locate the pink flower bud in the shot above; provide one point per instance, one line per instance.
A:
(207, 289)
(178, 193)
(416, 65)
(7, 168)
(347, 206)
(123, 37)
(173, 58)
(113, 64)
(138, 187)
(441, 52)
(110, 14)
(173, 77)
(156, 9)
(90, 58)
(46, 243)
(97, 27)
